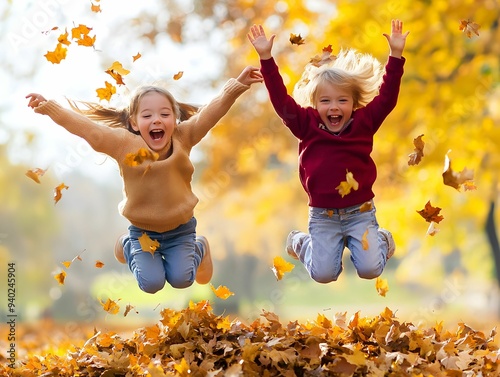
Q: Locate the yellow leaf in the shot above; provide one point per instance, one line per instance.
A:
(60, 277)
(67, 263)
(364, 240)
(107, 92)
(182, 368)
(224, 324)
(56, 56)
(281, 267)
(58, 193)
(143, 154)
(96, 8)
(222, 292)
(81, 34)
(110, 306)
(366, 206)
(345, 186)
(116, 71)
(148, 245)
(128, 308)
(382, 286)
(35, 174)
(63, 38)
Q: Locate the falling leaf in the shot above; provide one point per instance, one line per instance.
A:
(80, 33)
(469, 27)
(135, 57)
(143, 154)
(35, 174)
(345, 186)
(63, 39)
(430, 213)
(382, 286)
(110, 306)
(469, 186)
(128, 309)
(364, 240)
(99, 264)
(178, 75)
(116, 71)
(325, 57)
(453, 179)
(296, 39)
(60, 277)
(67, 264)
(432, 230)
(416, 156)
(147, 244)
(222, 292)
(52, 29)
(56, 56)
(281, 267)
(58, 192)
(107, 92)
(96, 8)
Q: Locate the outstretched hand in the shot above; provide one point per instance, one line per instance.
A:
(35, 99)
(262, 45)
(250, 75)
(397, 39)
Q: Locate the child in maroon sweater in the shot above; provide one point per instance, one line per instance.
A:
(342, 105)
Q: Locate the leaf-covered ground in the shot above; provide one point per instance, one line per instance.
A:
(196, 342)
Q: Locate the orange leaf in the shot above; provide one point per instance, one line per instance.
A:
(148, 245)
(116, 71)
(95, 8)
(224, 324)
(366, 206)
(178, 75)
(56, 56)
(381, 286)
(364, 240)
(35, 174)
(60, 277)
(143, 154)
(325, 57)
(110, 306)
(430, 213)
(469, 27)
(63, 38)
(345, 186)
(281, 267)
(107, 92)
(81, 35)
(58, 193)
(222, 292)
(296, 39)
(136, 56)
(99, 264)
(128, 308)
(453, 179)
(418, 152)
(67, 263)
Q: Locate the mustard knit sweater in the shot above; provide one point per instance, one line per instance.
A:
(157, 196)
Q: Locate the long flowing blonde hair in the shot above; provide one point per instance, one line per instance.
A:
(359, 72)
(120, 117)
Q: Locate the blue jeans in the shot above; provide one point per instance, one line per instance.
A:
(330, 231)
(176, 260)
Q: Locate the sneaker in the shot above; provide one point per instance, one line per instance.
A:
(119, 249)
(391, 246)
(205, 269)
(289, 244)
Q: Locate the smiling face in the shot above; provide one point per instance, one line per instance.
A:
(334, 104)
(155, 120)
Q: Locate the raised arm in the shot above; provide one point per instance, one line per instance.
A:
(397, 39)
(262, 45)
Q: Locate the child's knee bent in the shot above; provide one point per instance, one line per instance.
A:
(151, 286)
(180, 282)
(324, 278)
(367, 273)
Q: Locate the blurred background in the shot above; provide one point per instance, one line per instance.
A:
(246, 170)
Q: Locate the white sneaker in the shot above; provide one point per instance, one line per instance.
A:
(205, 269)
(289, 246)
(119, 249)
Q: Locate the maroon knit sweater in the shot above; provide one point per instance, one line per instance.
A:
(325, 158)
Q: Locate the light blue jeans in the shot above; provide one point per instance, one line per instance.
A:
(176, 260)
(330, 230)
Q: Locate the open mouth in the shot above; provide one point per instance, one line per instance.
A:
(334, 119)
(156, 134)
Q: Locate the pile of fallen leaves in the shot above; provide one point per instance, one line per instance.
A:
(197, 342)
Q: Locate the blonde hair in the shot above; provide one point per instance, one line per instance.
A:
(361, 73)
(120, 117)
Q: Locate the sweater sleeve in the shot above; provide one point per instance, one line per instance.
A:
(381, 106)
(101, 138)
(196, 127)
(293, 115)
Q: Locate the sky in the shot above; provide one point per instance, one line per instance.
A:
(26, 36)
